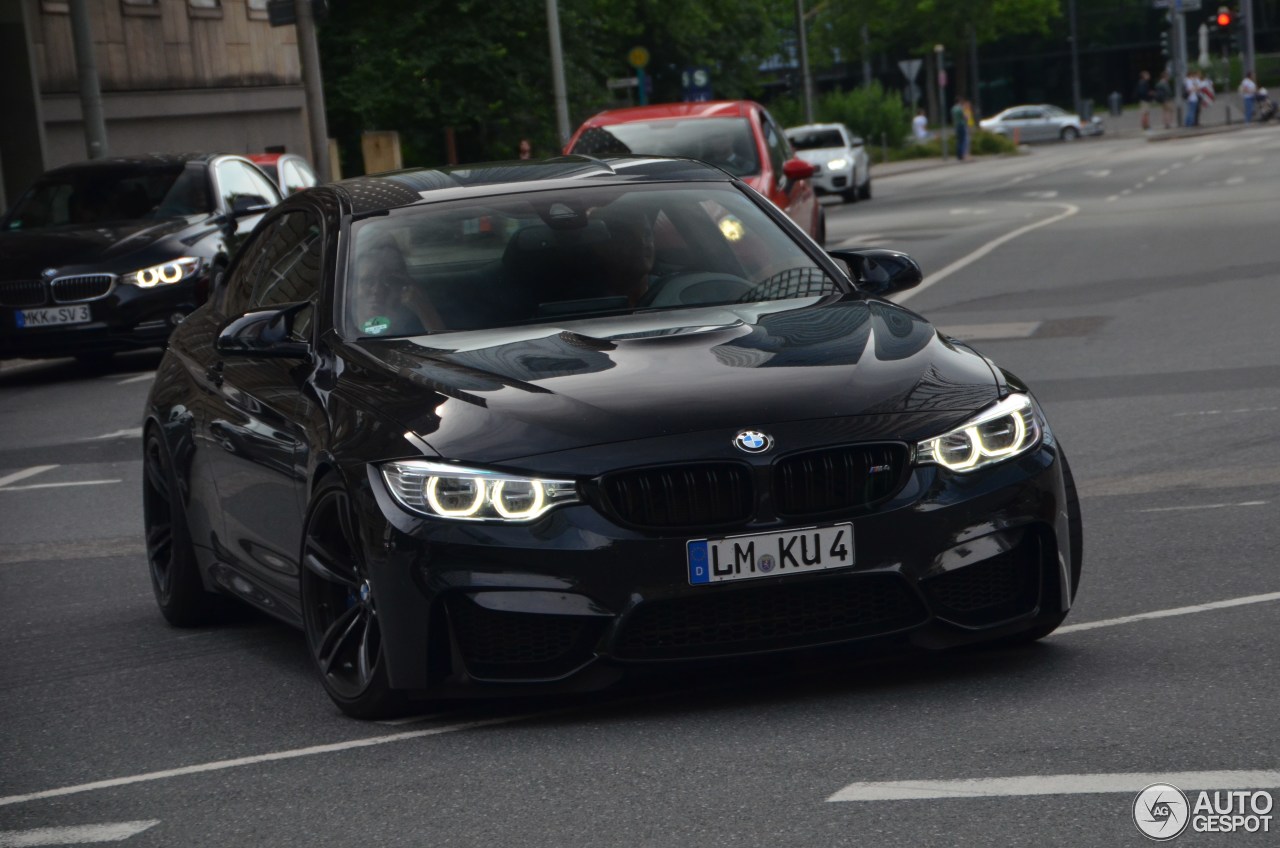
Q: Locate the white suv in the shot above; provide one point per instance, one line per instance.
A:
(839, 156)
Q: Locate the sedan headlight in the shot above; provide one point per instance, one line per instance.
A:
(838, 164)
(473, 494)
(165, 274)
(1000, 432)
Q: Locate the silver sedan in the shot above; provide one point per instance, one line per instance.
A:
(1040, 123)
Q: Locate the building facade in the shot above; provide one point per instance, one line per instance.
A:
(175, 76)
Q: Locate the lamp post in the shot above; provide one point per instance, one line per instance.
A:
(939, 56)
(557, 72)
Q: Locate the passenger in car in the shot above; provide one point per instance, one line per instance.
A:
(627, 257)
(388, 301)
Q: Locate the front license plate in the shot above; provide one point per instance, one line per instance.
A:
(767, 554)
(53, 316)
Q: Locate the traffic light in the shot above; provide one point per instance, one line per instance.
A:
(1224, 18)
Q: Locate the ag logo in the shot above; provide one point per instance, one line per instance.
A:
(753, 441)
(1161, 811)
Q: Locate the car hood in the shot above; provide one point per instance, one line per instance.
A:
(492, 396)
(823, 155)
(24, 255)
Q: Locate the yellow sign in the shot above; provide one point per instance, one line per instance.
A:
(638, 57)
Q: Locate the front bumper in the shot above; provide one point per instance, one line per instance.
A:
(127, 318)
(574, 600)
(833, 182)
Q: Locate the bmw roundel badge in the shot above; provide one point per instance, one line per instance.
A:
(753, 441)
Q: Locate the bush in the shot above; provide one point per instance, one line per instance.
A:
(991, 144)
(870, 112)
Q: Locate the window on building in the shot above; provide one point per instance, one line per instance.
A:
(140, 7)
(257, 9)
(58, 7)
(204, 8)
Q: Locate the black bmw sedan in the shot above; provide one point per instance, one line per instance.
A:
(522, 427)
(112, 254)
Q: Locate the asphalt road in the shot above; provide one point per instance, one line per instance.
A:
(1134, 285)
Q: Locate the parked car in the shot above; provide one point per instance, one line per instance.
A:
(112, 254)
(521, 427)
(839, 159)
(1040, 123)
(737, 135)
(289, 171)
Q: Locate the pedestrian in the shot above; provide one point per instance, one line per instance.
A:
(525, 150)
(1191, 88)
(920, 127)
(1164, 96)
(960, 121)
(1206, 95)
(1249, 94)
(1144, 93)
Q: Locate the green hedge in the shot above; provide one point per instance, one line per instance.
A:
(870, 112)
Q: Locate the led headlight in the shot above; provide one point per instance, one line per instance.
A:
(837, 164)
(474, 494)
(165, 274)
(999, 432)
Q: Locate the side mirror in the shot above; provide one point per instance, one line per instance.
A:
(264, 333)
(880, 272)
(249, 204)
(797, 169)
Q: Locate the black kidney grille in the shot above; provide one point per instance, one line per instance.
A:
(681, 496)
(851, 477)
(22, 293)
(78, 289)
(768, 617)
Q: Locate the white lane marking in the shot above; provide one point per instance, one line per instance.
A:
(1240, 411)
(25, 473)
(1234, 181)
(1175, 166)
(396, 722)
(293, 754)
(1151, 179)
(867, 237)
(965, 261)
(1199, 479)
(1202, 506)
(1164, 171)
(1010, 330)
(1040, 195)
(970, 210)
(1126, 192)
(79, 835)
(1105, 172)
(1113, 198)
(1052, 784)
(138, 378)
(56, 485)
(1168, 613)
(130, 433)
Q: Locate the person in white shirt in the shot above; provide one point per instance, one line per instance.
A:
(920, 127)
(1249, 94)
(1191, 90)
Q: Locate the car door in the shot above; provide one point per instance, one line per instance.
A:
(239, 186)
(1039, 126)
(795, 197)
(267, 409)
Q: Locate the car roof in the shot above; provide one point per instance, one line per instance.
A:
(152, 159)
(378, 192)
(667, 111)
(811, 127)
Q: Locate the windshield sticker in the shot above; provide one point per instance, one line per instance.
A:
(376, 326)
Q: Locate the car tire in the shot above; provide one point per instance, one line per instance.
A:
(1050, 622)
(339, 609)
(1070, 133)
(171, 557)
(850, 196)
(864, 190)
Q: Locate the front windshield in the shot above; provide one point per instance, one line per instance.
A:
(551, 256)
(108, 194)
(816, 139)
(724, 142)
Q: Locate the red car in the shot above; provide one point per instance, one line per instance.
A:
(737, 135)
(289, 171)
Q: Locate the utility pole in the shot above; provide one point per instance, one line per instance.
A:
(557, 72)
(313, 88)
(866, 56)
(804, 62)
(1246, 11)
(1075, 61)
(95, 127)
(976, 88)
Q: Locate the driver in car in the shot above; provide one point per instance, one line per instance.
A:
(388, 301)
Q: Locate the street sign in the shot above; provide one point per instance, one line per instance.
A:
(1177, 5)
(622, 82)
(638, 57)
(910, 68)
(696, 83)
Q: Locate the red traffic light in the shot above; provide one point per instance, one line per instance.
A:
(1224, 19)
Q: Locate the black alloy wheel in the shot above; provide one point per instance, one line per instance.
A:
(339, 609)
(171, 559)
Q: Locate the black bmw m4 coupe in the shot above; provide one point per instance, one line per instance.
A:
(524, 427)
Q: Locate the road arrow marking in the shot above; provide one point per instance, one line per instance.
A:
(111, 832)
